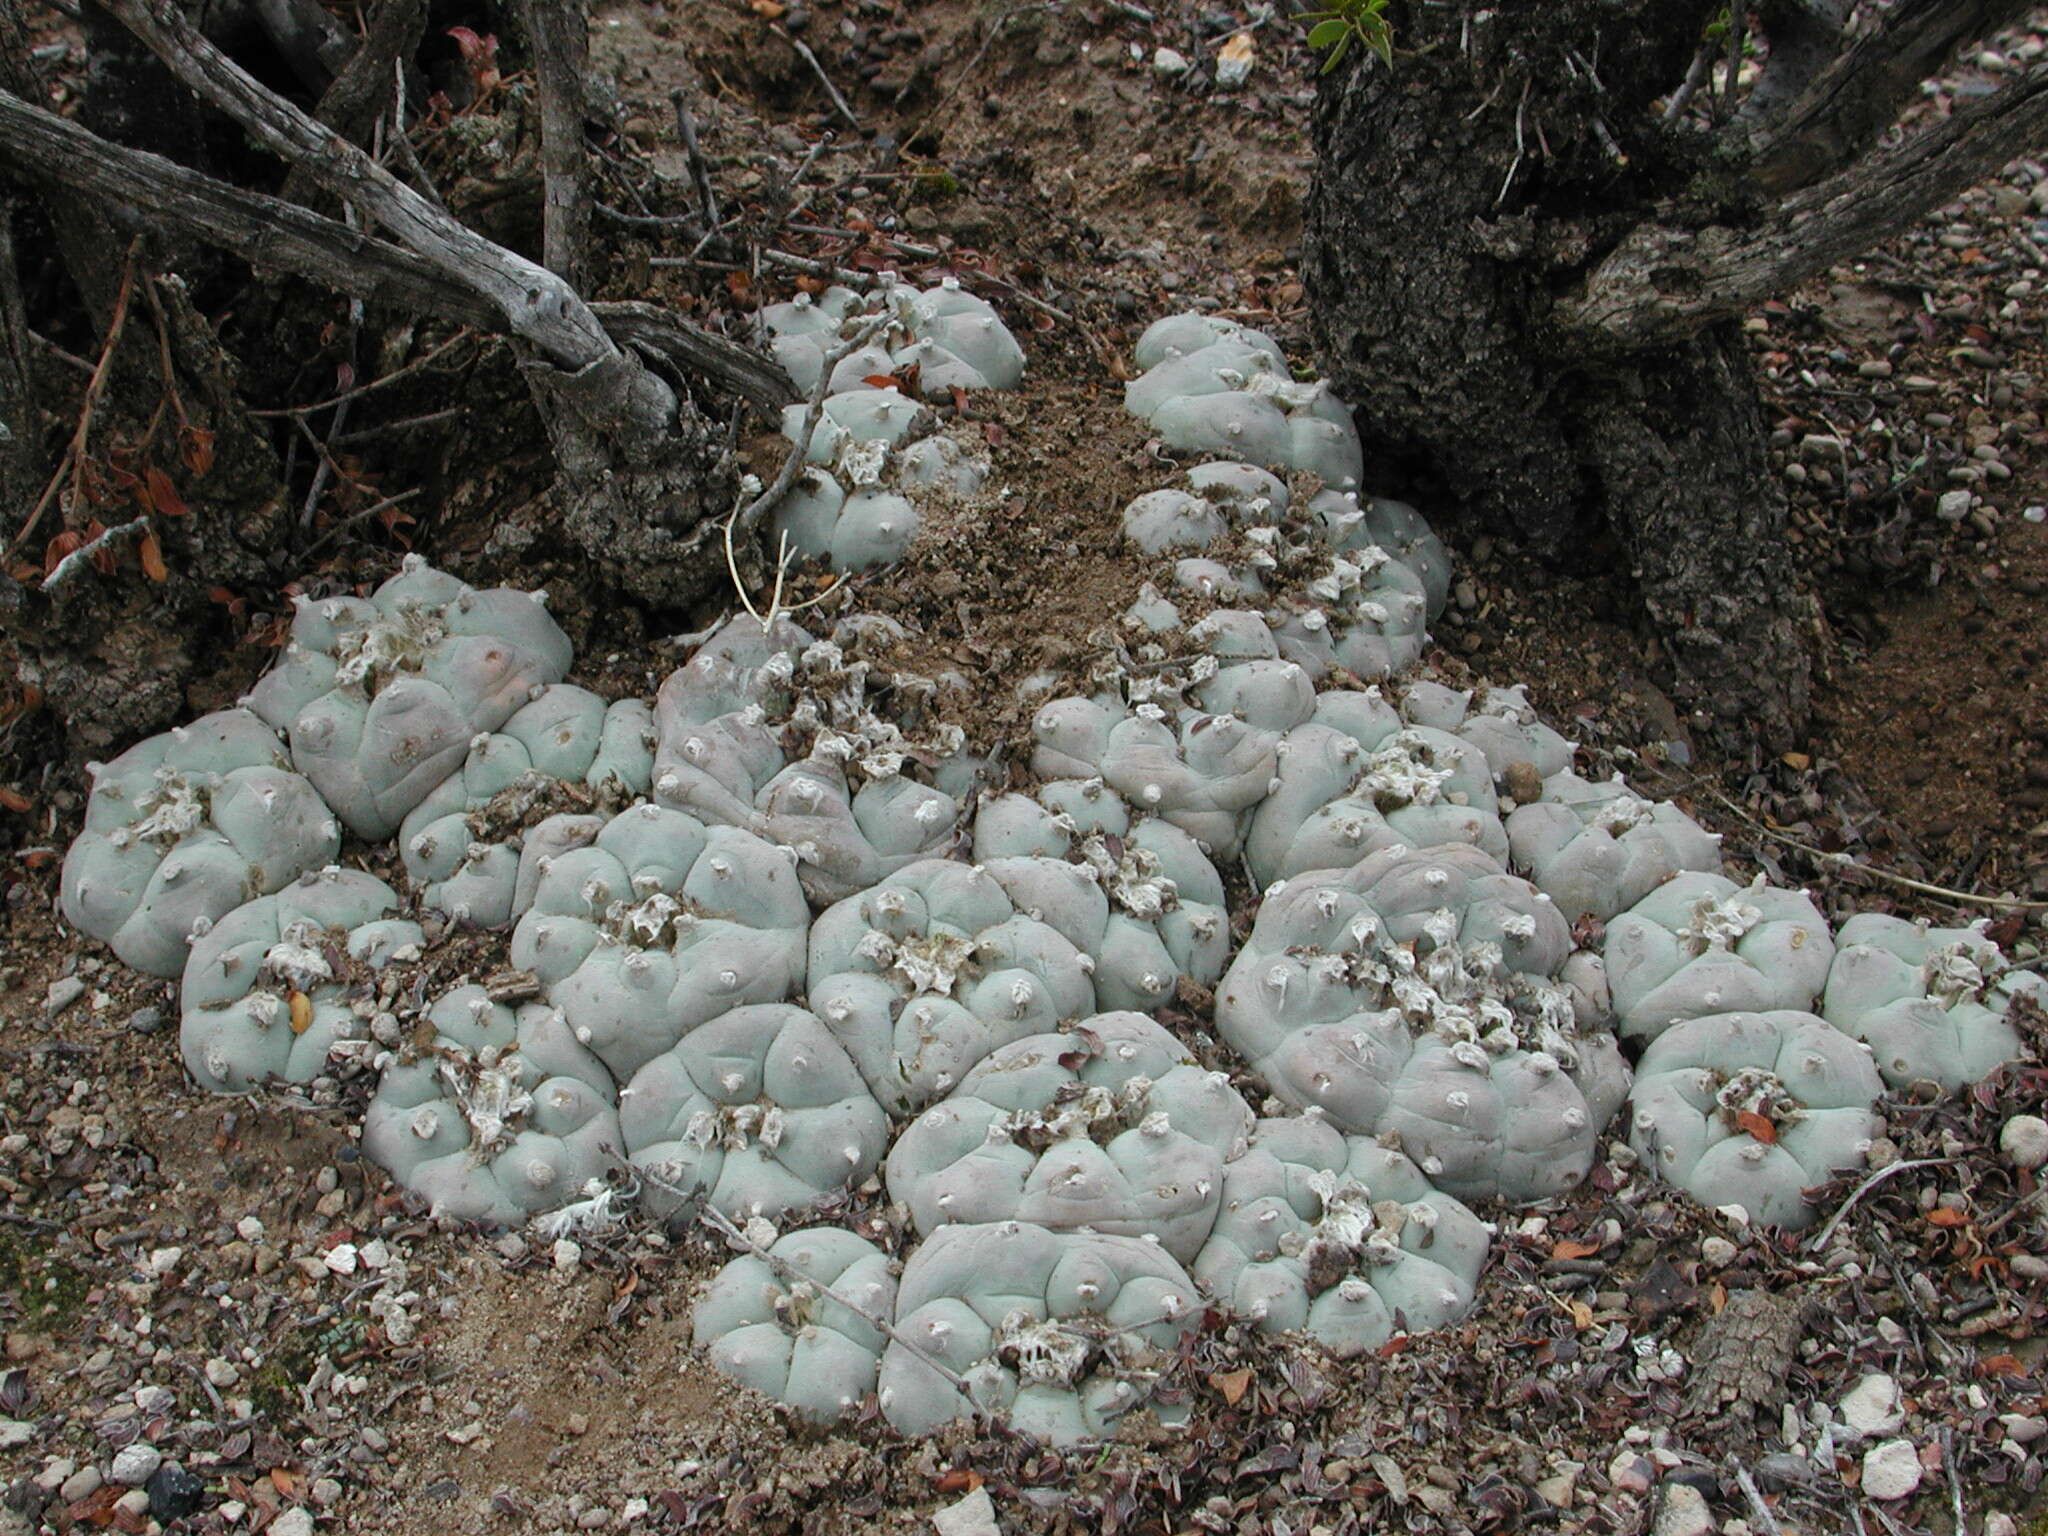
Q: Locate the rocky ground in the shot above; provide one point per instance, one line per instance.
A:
(218, 1317)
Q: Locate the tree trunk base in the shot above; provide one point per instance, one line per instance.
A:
(637, 509)
(1454, 204)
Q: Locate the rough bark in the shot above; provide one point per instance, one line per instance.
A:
(1666, 280)
(638, 464)
(560, 34)
(1848, 106)
(366, 86)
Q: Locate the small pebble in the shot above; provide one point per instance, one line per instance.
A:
(135, 1464)
(1871, 1407)
(146, 1021)
(1891, 1470)
(64, 991)
(2024, 1141)
(81, 1484)
(293, 1522)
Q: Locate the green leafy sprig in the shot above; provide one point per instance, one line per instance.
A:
(1335, 26)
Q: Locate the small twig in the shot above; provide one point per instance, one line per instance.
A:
(1521, 147)
(363, 434)
(1757, 1506)
(375, 384)
(1843, 861)
(687, 222)
(359, 517)
(1818, 1242)
(700, 168)
(1738, 35)
(1955, 1482)
(1702, 61)
(749, 517)
(73, 461)
(831, 90)
(64, 568)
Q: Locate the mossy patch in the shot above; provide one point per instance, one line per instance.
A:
(46, 1294)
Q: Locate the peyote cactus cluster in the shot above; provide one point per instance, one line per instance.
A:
(771, 950)
(873, 460)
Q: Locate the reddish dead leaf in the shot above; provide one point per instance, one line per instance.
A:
(882, 381)
(302, 1020)
(195, 447)
(282, 1480)
(771, 9)
(959, 399)
(235, 606)
(104, 560)
(2001, 1365)
(14, 800)
(1758, 1126)
(812, 285)
(1944, 1216)
(23, 571)
(1582, 1316)
(958, 1480)
(39, 858)
(1393, 1346)
(152, 554)
(58, 547)
(1231, 1386)
(1567, 1248)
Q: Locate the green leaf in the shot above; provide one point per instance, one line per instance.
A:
(1327, 34)
(1337, 53)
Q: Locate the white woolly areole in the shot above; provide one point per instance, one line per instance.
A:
(1401, 772)
(398, 642)
(1719, 922)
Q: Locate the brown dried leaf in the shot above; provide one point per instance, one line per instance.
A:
(1568, 1248)
(1758, 1126)
(164, 496)
(302, 1020)
(1231, 1386)
(152, 554)
(195, 447)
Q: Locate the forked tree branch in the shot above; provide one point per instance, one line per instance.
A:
(1663, 283)
(1846, 108)
(268, 232)
(538, 307)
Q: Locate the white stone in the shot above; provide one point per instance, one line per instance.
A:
(1872, 1407)
(134, 1463)
(1891, 1470)
(975, 1515)
(1167, 62)
(1953, 506)
(14, 1432)
(293, 1522)
(2025, 1141)
(1684, 1512)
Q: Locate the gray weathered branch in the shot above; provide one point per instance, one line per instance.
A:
(539, 307)
(270, 233)
(560, 34)
(1846, 108)
(1663, 283)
